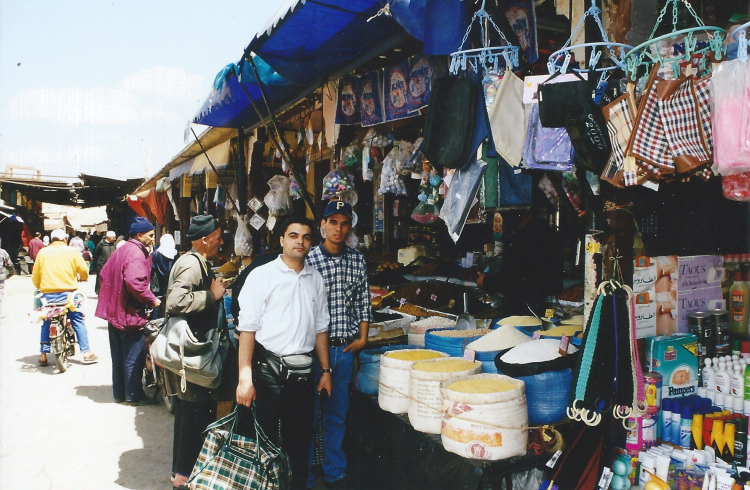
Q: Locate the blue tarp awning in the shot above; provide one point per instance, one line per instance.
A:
(228, 105)
(309, 40)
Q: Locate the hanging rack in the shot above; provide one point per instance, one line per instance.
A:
(741, 37)
(487, 57)
(560, 59)
(647, 53)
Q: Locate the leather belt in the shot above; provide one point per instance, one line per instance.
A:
(338, 341)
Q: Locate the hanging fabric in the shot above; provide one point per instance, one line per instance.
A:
(546, 148)
(505, 114)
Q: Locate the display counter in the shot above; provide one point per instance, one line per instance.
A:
(384, 452)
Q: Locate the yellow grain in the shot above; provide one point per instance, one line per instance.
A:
(414, 355)
(481, 385)
(568, 330)
(446, 366)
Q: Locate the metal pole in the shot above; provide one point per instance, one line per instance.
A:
(280, 143)
(221, 181)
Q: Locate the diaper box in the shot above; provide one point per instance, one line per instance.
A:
(675, 358)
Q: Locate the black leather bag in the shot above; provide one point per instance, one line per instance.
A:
(557, 101)
(450, 122)
(588, 132)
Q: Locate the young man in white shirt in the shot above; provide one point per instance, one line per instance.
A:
(283, 319)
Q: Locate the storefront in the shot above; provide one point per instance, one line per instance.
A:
(577, 198)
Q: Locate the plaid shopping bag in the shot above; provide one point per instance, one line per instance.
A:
(619, 115)
(230, 461)
(703, 98)
(678, 112)
(649, 141)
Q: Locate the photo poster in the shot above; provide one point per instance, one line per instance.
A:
(371, 99)
(396, 92)
(347, 109)
(421, 74)
(522, 20)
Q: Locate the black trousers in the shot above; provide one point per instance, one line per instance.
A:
(285, 413)
(190, 420)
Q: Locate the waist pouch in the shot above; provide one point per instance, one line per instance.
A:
(283, 369)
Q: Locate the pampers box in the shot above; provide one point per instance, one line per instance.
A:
(675, 358)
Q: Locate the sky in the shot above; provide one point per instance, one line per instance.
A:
(108, 87)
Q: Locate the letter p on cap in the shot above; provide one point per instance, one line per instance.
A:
(340, 204)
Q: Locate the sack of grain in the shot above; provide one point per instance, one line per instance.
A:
(485, 417)
(451, 341)
(487, 347)
(424, 388)
(547, 374)
(393, 388)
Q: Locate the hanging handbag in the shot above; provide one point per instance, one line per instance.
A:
(619, 116)
(229, 461)
(451, 121)
(588, 134)
(505, 114)
(558, 100)
(546, 148)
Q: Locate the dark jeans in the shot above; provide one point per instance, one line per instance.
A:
(285, 412)
(190, 420)
(128, 350)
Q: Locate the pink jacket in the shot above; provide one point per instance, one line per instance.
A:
(125, 291)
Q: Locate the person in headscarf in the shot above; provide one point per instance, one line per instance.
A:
(162, 261)
(45, 240)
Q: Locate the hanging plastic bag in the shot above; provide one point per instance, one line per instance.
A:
(460, 195)
(352, 157)
(390, 180)
(415, 160)
(243, 240)
(505, 115)
(426, 212)
(546, 148)
(294, 188)
(279, 199)
(730, 110)
(405, 154)
(335, 183)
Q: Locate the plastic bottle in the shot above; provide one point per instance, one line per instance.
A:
(696, 430)
(717, 436)
(746, 393)
(676, 419)
(738, 383)
(686, 424)
(739, 300)
(740, 443)
(666, 420)
(722, 378)
(709, 376)
(727, 454)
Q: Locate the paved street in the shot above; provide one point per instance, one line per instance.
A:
(63, 431)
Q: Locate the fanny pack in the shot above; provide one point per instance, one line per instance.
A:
(286, 368)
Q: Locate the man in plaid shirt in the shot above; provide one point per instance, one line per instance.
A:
(345, 276)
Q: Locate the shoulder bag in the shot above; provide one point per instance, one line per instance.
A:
(177, 349)
(558, 100)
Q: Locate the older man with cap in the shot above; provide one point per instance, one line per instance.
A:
(195, 293)
(56, 273)
(345, 275)
(123, 299)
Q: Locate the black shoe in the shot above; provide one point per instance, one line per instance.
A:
(142, 402)
(340, 484)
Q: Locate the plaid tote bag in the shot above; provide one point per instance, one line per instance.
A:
(619, 116)
(230, 461)
(648, 142)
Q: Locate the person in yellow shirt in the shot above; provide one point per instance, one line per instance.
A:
(56, 274)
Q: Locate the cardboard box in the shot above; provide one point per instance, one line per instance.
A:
(669, 287)
(675, 358)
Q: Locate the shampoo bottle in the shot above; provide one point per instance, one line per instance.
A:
(709, 376)
(739, 299)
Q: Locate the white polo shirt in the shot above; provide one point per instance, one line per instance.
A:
(285, 309)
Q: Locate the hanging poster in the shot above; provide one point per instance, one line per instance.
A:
(347, 110)
(371, 100)
(421, 73)
(396, 88)
(522, 19)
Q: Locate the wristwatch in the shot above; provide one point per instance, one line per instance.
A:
(326, 371)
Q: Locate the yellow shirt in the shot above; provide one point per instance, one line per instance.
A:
(56, 267)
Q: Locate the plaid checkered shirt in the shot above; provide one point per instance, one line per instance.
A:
(345, 277)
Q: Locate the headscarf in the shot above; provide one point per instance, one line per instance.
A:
(45, 240)
(167, 246)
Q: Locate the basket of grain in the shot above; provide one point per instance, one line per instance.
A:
(393, 388)
(424, 389)
(485, 417)
(366, 380)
